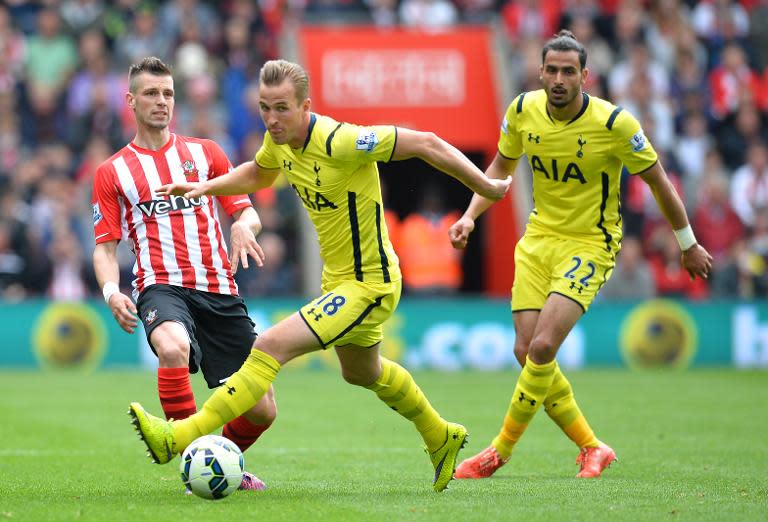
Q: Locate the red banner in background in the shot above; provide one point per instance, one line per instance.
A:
(439, 82)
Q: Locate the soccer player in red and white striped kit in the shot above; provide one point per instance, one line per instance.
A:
(185, 291)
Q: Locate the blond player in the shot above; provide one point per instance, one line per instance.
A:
(332, 168)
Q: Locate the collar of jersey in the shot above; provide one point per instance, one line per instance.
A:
(583, 109)
(312, 121)
(161, 150)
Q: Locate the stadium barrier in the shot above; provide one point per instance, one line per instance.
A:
(444, 335)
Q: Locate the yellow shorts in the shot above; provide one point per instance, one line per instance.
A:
(549, 264)
(351, 312)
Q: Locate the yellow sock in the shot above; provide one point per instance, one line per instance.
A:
(561, 407)
(397, 389)
(532, 386)
(239, 394)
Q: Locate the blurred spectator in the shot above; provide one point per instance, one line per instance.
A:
(100, 119)
(758, 33)
(95, 69)
(245, 118)
(176, 16)
(718, 20)
(430, 265)
(749, 186)
(629, 27)
(476, 11)
(12, 48)
(754, 262)
(12, 267)
(68, 271)
(278, 275)
(719, 230)
(529, 19)
(118, 17)
(646, 104)
(735, 133)
(632, 278)
(732, 83)
(383, 12)
(600, 58)
(10, 135)
(428, 14)
(143, 38)
(50, 60)
(637, 65)
(691, 148)
(80, 15)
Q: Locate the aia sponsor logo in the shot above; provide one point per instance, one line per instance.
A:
(161, 207)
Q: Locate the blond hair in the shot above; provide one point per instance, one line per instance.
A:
(275, 72)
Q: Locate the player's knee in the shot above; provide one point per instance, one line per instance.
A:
(171, 352)
(542, 349)
(264, 413)
(358, 376)
(521, 351)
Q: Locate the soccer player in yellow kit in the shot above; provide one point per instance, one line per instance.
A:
(576, 146)
(332, 168)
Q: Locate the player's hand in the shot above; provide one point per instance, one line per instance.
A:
(697, 261)
(497, 188)
(188, 189)
(242, 243)
(460, 231)
(124, 311)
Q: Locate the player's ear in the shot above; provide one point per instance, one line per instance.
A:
(584, 75)
(306, 104)
(130, 100)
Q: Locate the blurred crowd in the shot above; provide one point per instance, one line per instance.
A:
(694, 72)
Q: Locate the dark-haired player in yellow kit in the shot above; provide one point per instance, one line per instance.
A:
(332, 168)
(576, 146)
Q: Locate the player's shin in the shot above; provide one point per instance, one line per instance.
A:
(397, 389)
(243, 432)
(561, 407)
(531, 389)
(175, 392)
(241, 391)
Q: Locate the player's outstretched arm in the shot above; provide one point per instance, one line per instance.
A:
(695, 259)
(243, 179)
(500, 168)
(108, 275)
(447, 158)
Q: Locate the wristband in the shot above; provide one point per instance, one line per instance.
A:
(109, 289)
(685, 238)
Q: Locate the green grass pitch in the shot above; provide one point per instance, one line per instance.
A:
(691, 446)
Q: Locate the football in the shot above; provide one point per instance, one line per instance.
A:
(212, 467)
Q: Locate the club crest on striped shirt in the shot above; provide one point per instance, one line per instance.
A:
(189, 168)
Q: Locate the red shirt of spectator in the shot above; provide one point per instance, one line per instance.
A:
(732, 81)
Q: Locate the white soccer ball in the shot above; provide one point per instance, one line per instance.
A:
(212, 467)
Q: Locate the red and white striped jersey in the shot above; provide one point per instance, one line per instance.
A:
(176, 241)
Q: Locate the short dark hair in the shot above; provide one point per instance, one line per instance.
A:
(151, 65)
(565, 41)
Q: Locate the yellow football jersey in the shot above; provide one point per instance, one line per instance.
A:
(336, 177)
(576, 164)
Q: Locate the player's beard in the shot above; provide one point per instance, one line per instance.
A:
(563, 102)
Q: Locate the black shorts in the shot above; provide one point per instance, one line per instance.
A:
(220, 331)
